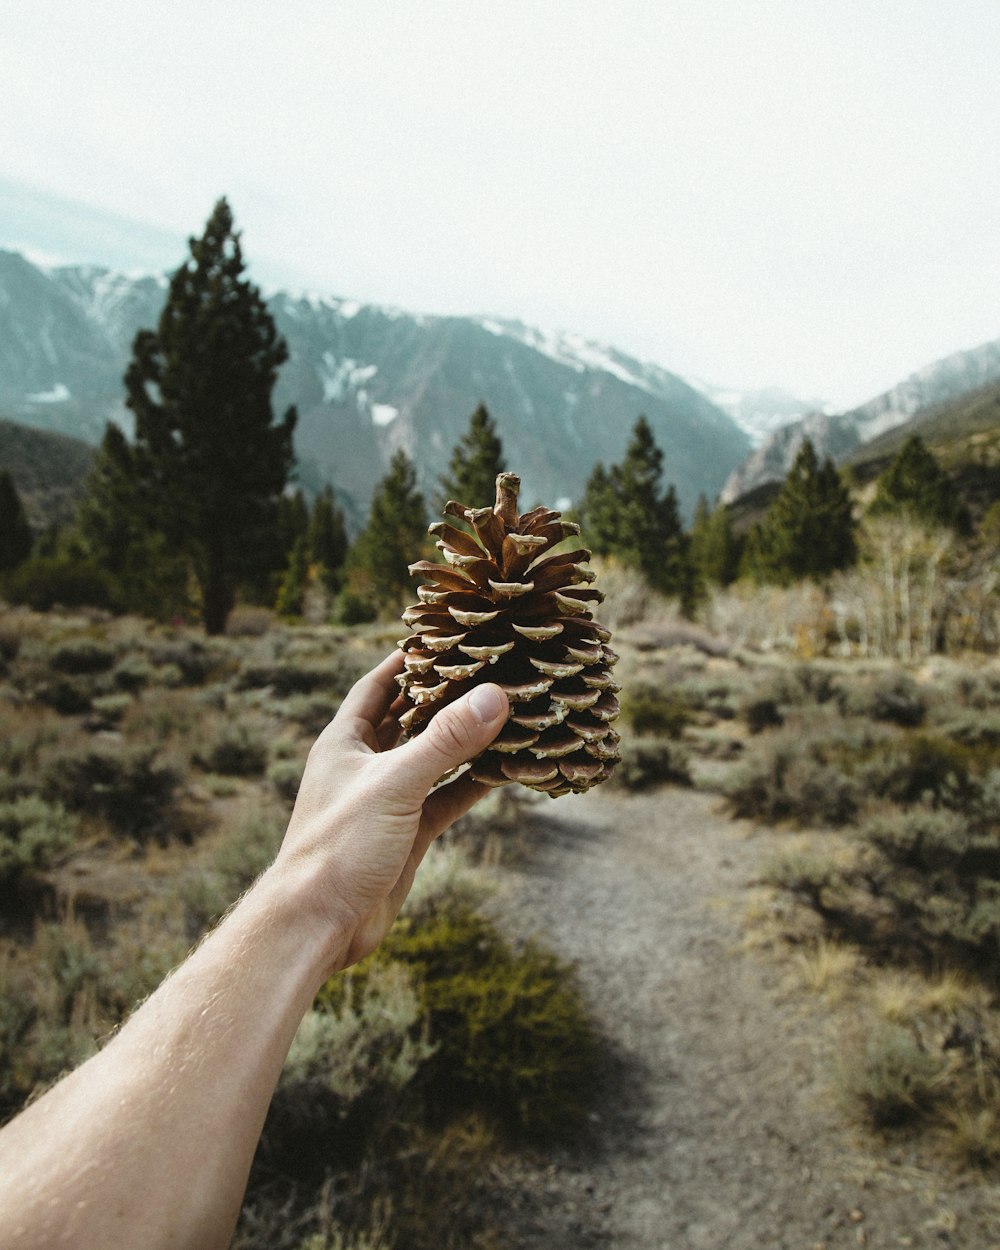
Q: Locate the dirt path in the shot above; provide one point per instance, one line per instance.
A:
(717, 1129)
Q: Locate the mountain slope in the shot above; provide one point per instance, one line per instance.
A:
(839, 435)
(368, 380)
(48, 470)
(964, 435)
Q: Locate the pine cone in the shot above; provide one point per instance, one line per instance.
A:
(503, 611)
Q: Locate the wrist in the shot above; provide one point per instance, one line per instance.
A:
(301, 919)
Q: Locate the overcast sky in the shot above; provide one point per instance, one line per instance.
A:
(804, 192)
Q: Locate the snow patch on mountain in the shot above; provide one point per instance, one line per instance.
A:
(57, 395)
(339, 377)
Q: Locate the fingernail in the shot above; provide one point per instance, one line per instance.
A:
(486, 703)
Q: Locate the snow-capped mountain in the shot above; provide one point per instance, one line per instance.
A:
(759, 412)
(837, 435)
(367, 380)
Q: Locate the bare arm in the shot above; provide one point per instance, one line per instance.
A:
(150, 1142)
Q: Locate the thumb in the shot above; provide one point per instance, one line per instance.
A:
(455, 734)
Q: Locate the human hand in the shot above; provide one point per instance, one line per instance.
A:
(365, 814)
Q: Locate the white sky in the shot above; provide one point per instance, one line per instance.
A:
(804, 192)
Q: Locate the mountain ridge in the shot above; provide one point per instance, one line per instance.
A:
(838, 435)
(368, 379)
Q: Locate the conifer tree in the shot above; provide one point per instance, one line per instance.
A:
(291, 523)
(292, 593)
(15, 532)
(393, 538)
(476, 460)
(209, 458)
(116, 522)
(916, 485)
(626, 515)
(714, 546)
(328, 537)
(809, 530)
(599, 512)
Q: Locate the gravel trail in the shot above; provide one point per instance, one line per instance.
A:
(716, 1128)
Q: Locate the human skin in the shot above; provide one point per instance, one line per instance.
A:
(149, 1143)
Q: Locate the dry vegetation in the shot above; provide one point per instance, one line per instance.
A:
(146, 775)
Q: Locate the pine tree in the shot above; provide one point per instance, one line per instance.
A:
(15, 532)
(291, 523)
(292, 594)
(809, 530)
(599, 512)
(116, 523)
(209, 458)
(916, 485)
(475, 462)
(714, 546)
(393, 538)
(328, 538)
(624, 515)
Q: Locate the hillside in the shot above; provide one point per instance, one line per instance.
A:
(964, 435)
(368, 380)
(48, 470)
(839, 435)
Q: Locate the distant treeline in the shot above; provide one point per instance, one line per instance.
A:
(197, 512)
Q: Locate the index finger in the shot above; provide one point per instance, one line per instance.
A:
(370, 697)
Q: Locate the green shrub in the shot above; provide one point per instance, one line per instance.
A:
(354, 609)
(66, 695)
(761, 714)
(83, 657)
(107, 710)
(894, 1079)
(919, 768)
(648, 762)
(816, 879)
(286, 776)
(939, 873)
(798, 778)
(43, 582)
(33, 835)
(195, 661)
(134, 673)
(510, 1031)
(311, 712)
(898, 700)
(235, 751)
(654, 712)
(131, 788)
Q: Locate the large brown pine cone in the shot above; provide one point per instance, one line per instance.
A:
(502, 610)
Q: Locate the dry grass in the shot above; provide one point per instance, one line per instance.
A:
(829, 968)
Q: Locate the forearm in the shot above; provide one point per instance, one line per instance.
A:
(157, 1132)
(149, 1144)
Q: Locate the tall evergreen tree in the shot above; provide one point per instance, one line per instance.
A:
(15, 532)
(328, 537)
(916, 485)
(809, 530)
(714, 546)
(209, 457)
(626, 516)
(291, 522)
(599, 512)
(116, 522)
(393, 538)
(476, 460)
(292, 593)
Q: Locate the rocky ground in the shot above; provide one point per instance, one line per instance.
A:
(716, 1127)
